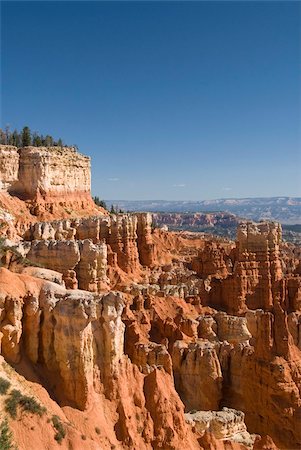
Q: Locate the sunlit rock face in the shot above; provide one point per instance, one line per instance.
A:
(52, 171)
(82, 249)
(254, 282)
(61, 331)
(169, 340)
(9, 167)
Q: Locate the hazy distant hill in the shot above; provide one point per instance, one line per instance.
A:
(286, 210)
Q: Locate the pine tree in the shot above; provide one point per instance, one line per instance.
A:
(26, 137)
(48, 141)
(14, 139)
(36, 140)
(7, 134)
(2, 137)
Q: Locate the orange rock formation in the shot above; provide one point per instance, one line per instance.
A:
(139, 338)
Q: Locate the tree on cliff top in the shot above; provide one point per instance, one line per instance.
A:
(26, 137)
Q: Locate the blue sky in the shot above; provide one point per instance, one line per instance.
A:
(172, 100)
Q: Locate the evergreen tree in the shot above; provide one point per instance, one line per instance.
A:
(2, 137)
(99, 202)
(112, 211)
(7, 134)
(26, 137)
(11, 140)
(48, 141)
(14, 139)
(36, 140)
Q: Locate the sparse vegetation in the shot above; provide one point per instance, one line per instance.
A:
(17, 257)
(4, 386)
(99, 202)
(97, 430)
(60, 430)
(17, 399)
(84, 437)
(12, 403)
(116, 210)
(6, 442)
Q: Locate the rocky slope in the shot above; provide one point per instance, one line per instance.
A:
(118, 335)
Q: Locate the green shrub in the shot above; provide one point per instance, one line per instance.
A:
(4, 386)
(31, 405)
(12, 402)
(6, 442)
(26, 403)
(61, 433)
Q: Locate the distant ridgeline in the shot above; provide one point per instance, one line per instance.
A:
(27, 138)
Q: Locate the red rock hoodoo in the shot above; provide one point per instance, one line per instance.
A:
(133, 337)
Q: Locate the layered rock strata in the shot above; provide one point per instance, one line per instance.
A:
(9, 166)
(225, 424)
(255, 279)
(82, 249)
(82, 263)
(52, 172)
(203, 326)
(74, 339)
(43, 182)
(40, 321)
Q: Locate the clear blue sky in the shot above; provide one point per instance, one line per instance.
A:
(172, 100)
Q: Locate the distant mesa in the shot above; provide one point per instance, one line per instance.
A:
(286, 210)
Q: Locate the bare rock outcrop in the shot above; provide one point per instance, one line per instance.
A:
(52, 171)
(81, 263)
(215, 325)
(225, 424)
(150, 356)
(256, 273)
(145, 242)
(74, 339)
(43, 183)
(198, 375)
(120, 242)
(9, 166)
(212, 260)
(44, 274)
(92, 267)
(41, 317)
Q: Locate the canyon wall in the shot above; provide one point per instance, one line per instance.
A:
(74, 339)
(156, 339)
(43, 183)
(34, 172)
(45, 171)
(84, 248)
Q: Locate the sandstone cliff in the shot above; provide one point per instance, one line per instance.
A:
(40, 182)
(140, 338)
